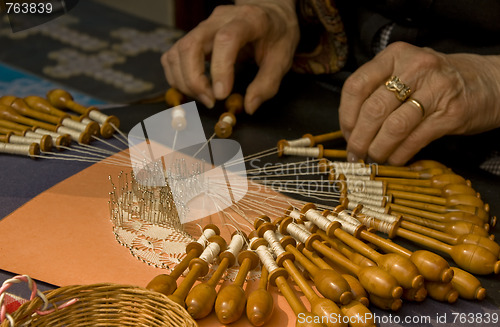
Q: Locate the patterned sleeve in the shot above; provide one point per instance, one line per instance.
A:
(329, 54)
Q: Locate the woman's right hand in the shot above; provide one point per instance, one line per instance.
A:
(270, 27)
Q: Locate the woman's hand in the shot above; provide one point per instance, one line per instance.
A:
(459, 94)
(269, 27)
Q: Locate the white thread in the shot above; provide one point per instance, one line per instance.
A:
(363, 178)
(302, 152)
(207, 233)
(318, 219)
(75, 135)
(351, 205)
(228, 119)
(70, 123)
(307, 225)
(344, 215)
(279, 236)
(87, 121)
(295, 214)
(360, 187)
(374, 208)
(302, 142)
(373, 197)
(298, 233)
(42, 131)
(361, 200)
(16, 139)
(39, 137)
(364, 182)
(178, 118)
(381, 226)
(20, 149)
(348, 227)
(379, 215)
(236, 244)
(210, 252)
(266, 258)
(98, 116)
(275, 245)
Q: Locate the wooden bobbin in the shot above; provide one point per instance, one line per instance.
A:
(44, 141)
(234, 105)
(42, 105)
(471, 257)
(323, 307)
(447, 190)
(310, 213)
(345, 250)
(432, 266)
(426, 164)
(415, 294)
(200, 300)
(357, 290)
(62, 99)
(437, 181)
(444, 292)
(386, 285)
(450, 200)
(453, 227)
(260, 306)
(30, 150)
(390, 171)
(22, 108)
(467, 285)
(441, 217)
(328, 282)
(480, 212)
(59, 140)
(400, 267)
(482, 241)
(166, 284)
(385, 303)
(173, 97)
(231, 300)
(321, 138)
(198, 267)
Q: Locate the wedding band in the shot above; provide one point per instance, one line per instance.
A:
(400, 89)
(419, 105)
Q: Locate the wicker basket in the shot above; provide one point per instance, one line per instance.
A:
(105, 305)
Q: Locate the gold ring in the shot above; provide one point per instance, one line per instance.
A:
(401, 90)
(419, 105)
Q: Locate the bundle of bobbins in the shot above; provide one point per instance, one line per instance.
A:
(342, 253)
(33, 125)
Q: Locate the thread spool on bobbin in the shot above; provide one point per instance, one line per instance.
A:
(166, 284)
(63, 100)
(234, 105)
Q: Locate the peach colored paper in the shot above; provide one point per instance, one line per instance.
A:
(64, 237)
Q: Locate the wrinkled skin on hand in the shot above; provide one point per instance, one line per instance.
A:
(459, 94)
(268, 27)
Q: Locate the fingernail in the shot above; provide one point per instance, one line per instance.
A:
(351, 157)
(207, 101)
(219, 90)
(254, 105)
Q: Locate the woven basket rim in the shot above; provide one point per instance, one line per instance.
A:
(103, 301)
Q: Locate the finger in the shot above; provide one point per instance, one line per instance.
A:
(266, 83)
(396, 128)
(171, 62)
(374, 111)
(192, 51)
(427, 131)
(359, 86)
(227, 43)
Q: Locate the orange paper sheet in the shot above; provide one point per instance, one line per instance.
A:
(64, 237)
